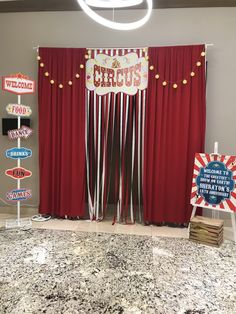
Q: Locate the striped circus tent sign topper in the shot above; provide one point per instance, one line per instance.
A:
(114, 140)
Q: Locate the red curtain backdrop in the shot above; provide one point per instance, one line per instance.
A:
(174, 131)
(62, 131)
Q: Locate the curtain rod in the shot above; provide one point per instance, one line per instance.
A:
(207, 45)
(37, 47)
(117, 48)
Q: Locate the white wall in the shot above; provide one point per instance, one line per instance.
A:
(20, 32)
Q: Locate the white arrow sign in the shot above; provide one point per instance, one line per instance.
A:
(23, 132)
(19, 110)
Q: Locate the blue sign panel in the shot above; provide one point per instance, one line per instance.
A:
(215, 182)
(18, 153)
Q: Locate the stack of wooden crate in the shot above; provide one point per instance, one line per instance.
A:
(206, 230)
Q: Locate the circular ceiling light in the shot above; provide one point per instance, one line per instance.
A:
(111, 24)
(112, 3)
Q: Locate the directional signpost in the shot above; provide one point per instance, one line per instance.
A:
(18, 84)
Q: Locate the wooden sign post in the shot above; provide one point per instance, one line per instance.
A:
(214, 184)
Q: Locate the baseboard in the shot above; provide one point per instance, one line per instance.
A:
(24, 210)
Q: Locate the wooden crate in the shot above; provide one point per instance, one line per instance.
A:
(206, 230)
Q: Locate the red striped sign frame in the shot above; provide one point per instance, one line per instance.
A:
(201, 161)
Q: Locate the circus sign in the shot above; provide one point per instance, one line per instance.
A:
(18, 84)
(127, 74)
(214, 182)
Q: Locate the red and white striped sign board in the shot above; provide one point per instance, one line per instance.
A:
(214, 182)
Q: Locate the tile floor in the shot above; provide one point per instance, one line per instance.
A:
(106, 226)
(103, 226)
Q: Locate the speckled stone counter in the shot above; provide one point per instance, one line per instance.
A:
(45, 271)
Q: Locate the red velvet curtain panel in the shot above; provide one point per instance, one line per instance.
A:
(174, 130)
(61, 98)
